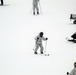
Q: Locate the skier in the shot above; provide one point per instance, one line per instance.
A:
(38, 42)
(73, 72)
(35, 6)
(1, 2)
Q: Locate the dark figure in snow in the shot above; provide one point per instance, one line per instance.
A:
(1, 2)
(35, 6)
(73, 38)
(73, 72)
(38, 41)
(73, 16)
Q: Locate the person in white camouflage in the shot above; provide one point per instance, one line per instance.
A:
(38, 41)
(35, 6)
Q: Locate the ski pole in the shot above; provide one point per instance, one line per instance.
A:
(45, 45)
(40, 7)
(45, 49)
(31, 10)
(34, 47)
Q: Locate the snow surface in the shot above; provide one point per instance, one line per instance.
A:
(17, 31)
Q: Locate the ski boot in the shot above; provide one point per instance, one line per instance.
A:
(35, 52)
(74, 22)
(37, 12)
(41, 52)
(34, 13)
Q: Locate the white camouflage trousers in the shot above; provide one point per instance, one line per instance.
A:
(37, 46)
(35, 7)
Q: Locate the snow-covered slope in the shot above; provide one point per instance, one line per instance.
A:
(17, 31)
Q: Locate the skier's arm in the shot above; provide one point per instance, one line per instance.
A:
(43, 38)
(38, 0)
(36, 38)
(72, 72)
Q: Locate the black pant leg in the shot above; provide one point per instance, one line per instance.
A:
(1, 2)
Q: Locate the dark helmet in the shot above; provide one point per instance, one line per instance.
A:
(41, 34)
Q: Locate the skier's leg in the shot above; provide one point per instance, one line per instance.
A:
(72, 40)
(34, 9)
(41, 48)
(37, 9)
(74, 21)
(37, 46)
(1, 2)
(70, 16)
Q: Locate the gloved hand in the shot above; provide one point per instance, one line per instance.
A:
(37, 38)
(67, 73)
(46, 38)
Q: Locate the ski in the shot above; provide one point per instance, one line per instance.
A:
(46, 54)
(70, 40)
(43, 54)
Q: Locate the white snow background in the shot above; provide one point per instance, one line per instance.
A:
(17, 31)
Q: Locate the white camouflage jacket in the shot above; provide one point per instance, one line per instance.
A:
(39, 39)
(35, 2)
